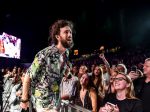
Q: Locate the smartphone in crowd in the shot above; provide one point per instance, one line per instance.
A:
(134, 68)
(111, 104)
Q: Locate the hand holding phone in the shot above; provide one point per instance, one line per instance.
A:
(110, 107)
(111, 104)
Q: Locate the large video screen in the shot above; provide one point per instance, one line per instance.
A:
(10, 46)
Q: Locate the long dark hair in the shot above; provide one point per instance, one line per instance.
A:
(55, 29)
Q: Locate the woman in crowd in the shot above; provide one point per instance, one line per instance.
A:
(82, 70)
(98, 83)
(86, 96)
(123, 100)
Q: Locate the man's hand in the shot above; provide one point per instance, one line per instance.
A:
(24, 105)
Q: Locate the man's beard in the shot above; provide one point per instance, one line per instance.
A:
(67, 44)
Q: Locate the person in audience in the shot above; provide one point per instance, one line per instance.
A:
(121, 68)
(110, 87)
(86, 96)
(135, 74)
(91, 70)
(7, 88)
(75, 70)
(15, 96)
(68, 89)
(98, 83)
(82, 70)
(123, 100)
(142, 86)
(106, 69)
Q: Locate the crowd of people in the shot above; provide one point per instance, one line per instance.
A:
(12, 86)
(104, 83)
(96, 88)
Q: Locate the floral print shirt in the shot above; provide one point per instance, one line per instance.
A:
(46, 77)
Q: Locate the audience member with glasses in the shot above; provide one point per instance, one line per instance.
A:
(123, 99)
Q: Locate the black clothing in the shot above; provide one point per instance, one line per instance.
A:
(142, 91)
(87, 101)
(126, 105)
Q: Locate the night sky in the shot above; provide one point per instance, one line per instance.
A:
(97, 23)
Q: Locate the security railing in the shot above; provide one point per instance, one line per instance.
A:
(69, 107)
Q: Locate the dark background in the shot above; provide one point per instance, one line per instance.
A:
(97, 22)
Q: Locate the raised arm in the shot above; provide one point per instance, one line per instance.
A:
(102, 56)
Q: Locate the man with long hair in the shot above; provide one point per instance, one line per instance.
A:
(46, 72)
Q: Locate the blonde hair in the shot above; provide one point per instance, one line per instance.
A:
(147, 59)
(101, 88)
(140, 73)
(130, 93)
(124, 67)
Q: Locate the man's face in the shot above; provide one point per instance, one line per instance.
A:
(65, 37)
(146, 68)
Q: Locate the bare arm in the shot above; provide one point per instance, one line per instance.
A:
(102, 56)
(26, 86)
(30, 74)
(25, 92)
(93, 99)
